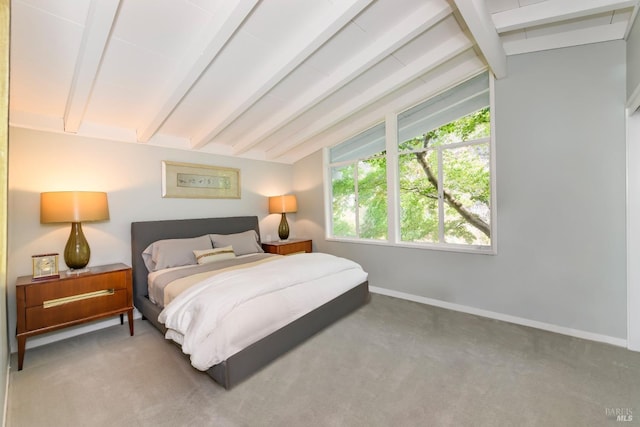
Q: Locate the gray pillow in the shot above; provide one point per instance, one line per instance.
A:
(174, 252)
(243, 243)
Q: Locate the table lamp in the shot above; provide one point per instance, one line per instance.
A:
(283, 205)
(75, 207)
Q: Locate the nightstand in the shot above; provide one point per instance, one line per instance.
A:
(50, 304)
(287, 247)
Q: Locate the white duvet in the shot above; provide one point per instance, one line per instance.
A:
(224, 313)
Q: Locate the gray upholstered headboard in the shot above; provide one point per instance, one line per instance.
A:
(147, 232)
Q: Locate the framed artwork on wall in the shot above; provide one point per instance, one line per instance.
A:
(194, 181)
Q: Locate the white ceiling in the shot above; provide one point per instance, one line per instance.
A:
(272, 79)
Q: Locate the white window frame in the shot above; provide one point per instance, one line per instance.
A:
(329, 199)
(441, 204)
(393, 192)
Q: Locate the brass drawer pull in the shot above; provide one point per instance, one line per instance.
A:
(59, 301)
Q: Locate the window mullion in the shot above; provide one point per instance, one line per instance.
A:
(393, 178)
(357, 197)
(328, 194)
(452, 145)
(492, 168)
(440, 197)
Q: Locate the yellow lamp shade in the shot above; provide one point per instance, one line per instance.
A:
(74, 207)
(283, 204)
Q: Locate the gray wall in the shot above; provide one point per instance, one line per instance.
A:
(561, 202)
(131, 176)
(633, 58)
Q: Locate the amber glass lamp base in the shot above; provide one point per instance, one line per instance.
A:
(283, 229)
(77, 252)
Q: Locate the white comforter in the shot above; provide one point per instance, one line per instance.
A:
(219, 316)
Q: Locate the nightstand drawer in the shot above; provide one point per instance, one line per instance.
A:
(287, 247)
(37, 294)
(296, 247)
(63, 312)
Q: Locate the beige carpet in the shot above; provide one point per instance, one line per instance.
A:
(392, 363)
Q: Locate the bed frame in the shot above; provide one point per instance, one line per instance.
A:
(251, 359)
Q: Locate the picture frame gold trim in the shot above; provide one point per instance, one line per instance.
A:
(45, 266)
(196, 181)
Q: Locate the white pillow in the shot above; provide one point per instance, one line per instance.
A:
(174, 252)
(212, 255)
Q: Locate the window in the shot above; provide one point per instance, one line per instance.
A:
(441, 180)
(359, 186)
(444, 167)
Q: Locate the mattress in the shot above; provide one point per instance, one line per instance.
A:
(214, 319)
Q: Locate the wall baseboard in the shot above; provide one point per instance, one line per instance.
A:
(620, 342)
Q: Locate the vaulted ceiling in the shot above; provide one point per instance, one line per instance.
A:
(272, 79)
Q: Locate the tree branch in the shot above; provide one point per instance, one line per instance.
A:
(419, 191)
(470, 217)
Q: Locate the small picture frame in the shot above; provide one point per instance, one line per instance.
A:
(45, 266)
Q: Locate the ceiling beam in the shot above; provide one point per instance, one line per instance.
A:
(632, 19)
(406, 30)
(601, 33)
(445, 51)
(477, 17)
(100, 19)
(302, 47)
(220, 29)
(554, 11)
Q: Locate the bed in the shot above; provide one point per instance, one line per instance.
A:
(256, 355)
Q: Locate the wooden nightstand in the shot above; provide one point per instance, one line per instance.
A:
(51, 304)
(287, 247)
